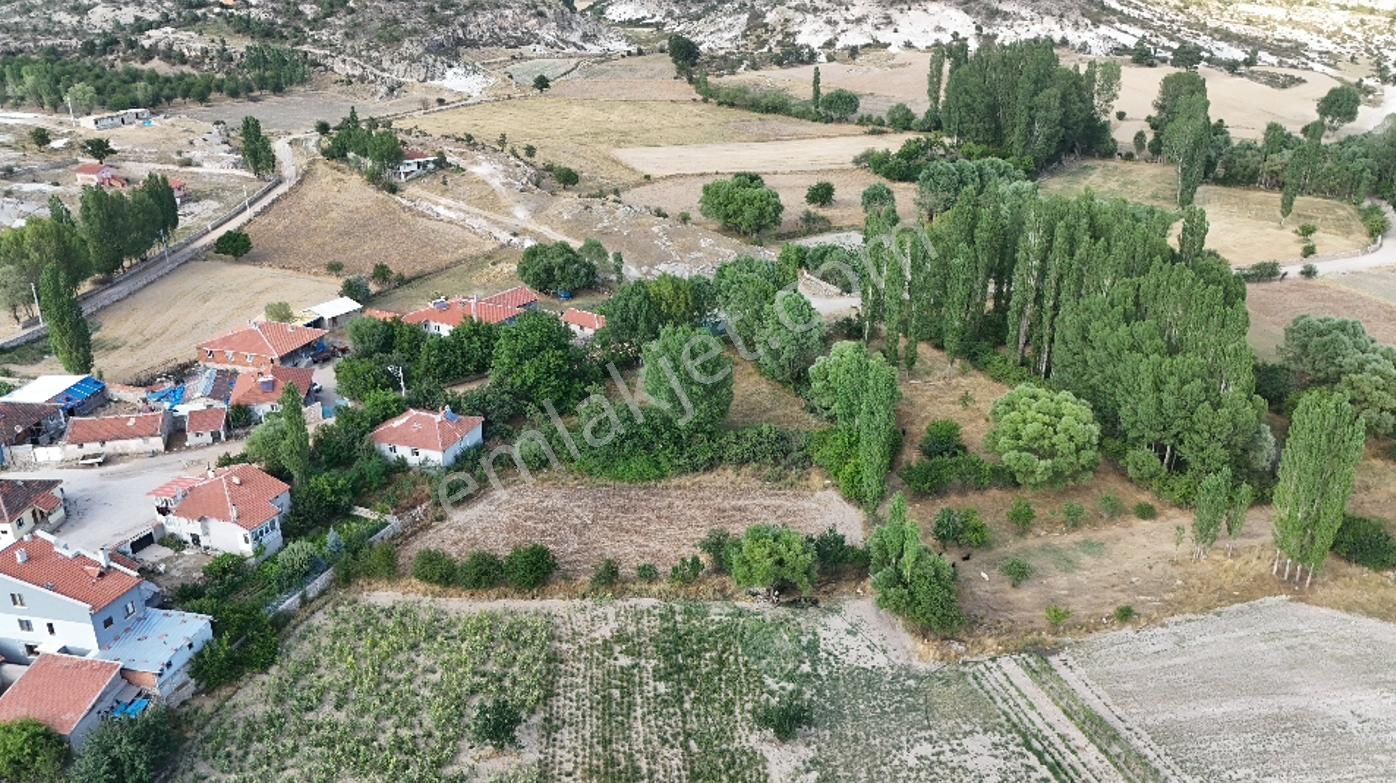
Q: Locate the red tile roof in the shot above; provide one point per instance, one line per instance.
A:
(247, 389)
(454, 312)
(19, 495)
(100, 429)
(583, 319)
(416, 155)
(59, 690)
(93, 168)
(381, 315)
(241, 494)
(67, 573)
(418, 429)
(176, 487)
(207, 420)
(265, 338)
(16, 418)
(519, 296)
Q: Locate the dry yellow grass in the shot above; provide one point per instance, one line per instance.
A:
(1274, 305)
(1245, 224)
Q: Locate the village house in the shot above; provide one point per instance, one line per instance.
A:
(138, 433)
(334, 314)
(76, 395)
(520, 296)
(68, 694)
(429, 439)
(442, 316)
(115, 119)
(27, 503)
(206, 426)
(100, 175)
(260, 392)
(263, 344)
(583, 324)
(58, 599)
(414, 162)
(239, 509)
(28, 424)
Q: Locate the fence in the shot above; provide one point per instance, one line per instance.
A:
(140, 277)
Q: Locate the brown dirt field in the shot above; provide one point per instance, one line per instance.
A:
(647, 78)
(1273, 306)
(1245, 224)
(1374, 283)
(334, 215)
(935, 390)
(757, 399)
(582, 134)
(681, 194)
(657, 524)
(782, 155)
(881, 79)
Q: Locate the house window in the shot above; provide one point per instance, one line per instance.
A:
(26, 626)
(208, 354)
(51, 631)
(31, 651)
(107, 623)
(16, 599)
(245, 539)
(416, 453)
(228, 356)
(393, 449)
(130, 608)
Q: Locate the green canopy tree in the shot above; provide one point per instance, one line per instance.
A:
(790, 338)
(556, 267)
(839, 104)
(1339, 107)
(129, 750)
(535, 358)
(68, 334)
(235, 244)
(256, 148)
(770, 558)
(911, 580)
(295, 437)
(1316, 474)
(687, 373)
(30, 752)
(1046, 438)
(742, 203)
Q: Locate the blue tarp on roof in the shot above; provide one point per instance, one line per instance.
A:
(80, 392)
(170, 397)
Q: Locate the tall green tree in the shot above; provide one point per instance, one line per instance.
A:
(911, 580)
(1210, 510)
(1193, 239)
(815, 93)
(790, 338)
(68, 335)
(295, 437)
(104, 222)
(1339, 107)
(256, 148)
(1187, 142)
(770, 557)
(1046, 438)
(687, 372)
(1316, 474)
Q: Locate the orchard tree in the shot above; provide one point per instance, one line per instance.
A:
(68, 334)
(820, 194)
(536, 360)
(40, 137)
(1316, 474)
(839, 104)
(742, 203)
(687, 372)
(556, 267)
(1339, 107)
(1046, 438)
(771, 558)
(98, 148)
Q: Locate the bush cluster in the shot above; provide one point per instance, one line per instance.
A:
(1366, 542)
(525, 568)
(962, 527)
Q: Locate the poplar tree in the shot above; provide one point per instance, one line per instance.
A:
(935, 79)
(1187, 142)
(1316, 474)
(815, 93)
(1193, 239)
(294, 449)
(68, 334)
(910, 579)
(1210, 509)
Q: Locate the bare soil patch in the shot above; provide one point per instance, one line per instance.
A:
(679, 194)
(1372, 283)
(1273, 306)
(660, 524)
(647, 78)
(1245, 224)
(880, 80)
(774, 156)
(334, 215)
(298, 110)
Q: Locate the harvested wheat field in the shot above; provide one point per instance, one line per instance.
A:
(1273, 306)
(158, 326)
(760, 156)
(582, 134)
(681, 193)
(1245, 223)
(1271, 690)
(333, 215)
(880, 79)
(660, 524)
(647, 78)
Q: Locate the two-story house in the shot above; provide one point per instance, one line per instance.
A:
(261, 391)
(58, 599)
(239, 509)
(262, 345)
(27, 503)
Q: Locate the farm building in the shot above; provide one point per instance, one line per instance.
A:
(100, 175)
(70, 695)
(27, 503)
(414, 162)
(432, 439)
(334, 314)
(263, 344)
(583, 324)
(141, 433)
(237, 510)
(206, 426)
(25, 424)
(115, 119)
(442, 316)
(180, 189)
(261, 391)
(76, 395)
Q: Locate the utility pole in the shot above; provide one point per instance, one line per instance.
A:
(33, 289)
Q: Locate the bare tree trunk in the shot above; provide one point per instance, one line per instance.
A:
(1310, 578)
(1275, 566)
(1287, 564)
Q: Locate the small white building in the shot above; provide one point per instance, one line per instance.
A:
(27, 503)
(239, 509)
(583, 324)
(334, 314)
(414, 162)
(115, 119)
(206, 426)
(139, 433)
(422, 438)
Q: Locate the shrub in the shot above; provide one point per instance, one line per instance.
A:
(481, 571)
(646, 572)
(1021, 514)
(1145, 510)
(1057, 616)
(1308, 271)
(1366, 542)
(1307, 251)
(1018, 571)
(495, 724)
(1306, 230)
(1143, 466)
(785, 716)
(833, 554)
(714, 545)
(607, 574)
(938, 476)
(820, 194)
(30, 752)
(942, 439)
(1074, 514)
(1124, 614)
(529, 567)
(435, 568)
(1111, 506)
(963, 527)
(686, 572)
(770, 558)
(335, 267)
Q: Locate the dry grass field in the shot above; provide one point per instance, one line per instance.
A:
(1245, 224)
(658, 524)
(481, 274)
(1377, 283)
(334, 215)
(1274, 305)
(649, 77)
(681, 193)
(582, 134)
(776, 156)
(757, 399)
